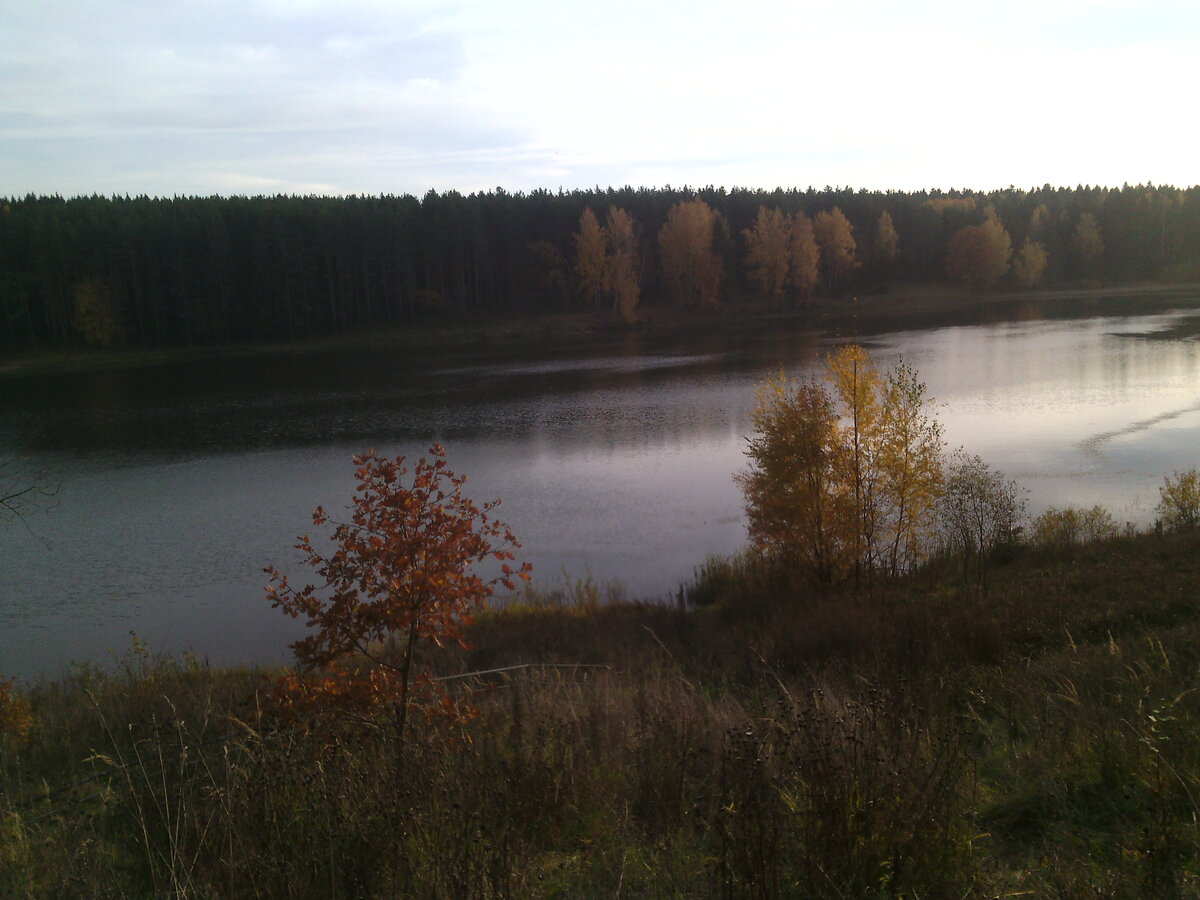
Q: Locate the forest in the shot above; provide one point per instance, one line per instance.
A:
(184, 271)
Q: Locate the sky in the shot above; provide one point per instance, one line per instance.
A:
(200, 97)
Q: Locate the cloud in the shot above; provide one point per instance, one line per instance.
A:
(371, 95)
(98, 97)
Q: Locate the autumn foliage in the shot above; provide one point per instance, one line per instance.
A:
(590, 265)
(606, 262)
(835, 236)
(1029, 264)
(691, 268)
(1087, 244)
(887, 241)
(844, 481)
(804, 267)
(767, 251)
(402, 573)
(1179, 501)
(622, 270)
(979, 254)
(781, 252)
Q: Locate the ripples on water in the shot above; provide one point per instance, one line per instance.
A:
(179, 483)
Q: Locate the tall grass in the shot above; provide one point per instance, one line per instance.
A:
(919, 739)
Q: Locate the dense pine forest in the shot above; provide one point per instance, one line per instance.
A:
(147, 272)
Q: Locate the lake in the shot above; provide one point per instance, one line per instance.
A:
(613, 457)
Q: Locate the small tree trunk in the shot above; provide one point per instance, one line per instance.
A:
(405, 673)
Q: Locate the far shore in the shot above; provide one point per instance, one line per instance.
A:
(902, 306)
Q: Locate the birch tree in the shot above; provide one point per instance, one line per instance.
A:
(691, 269)
(622, 278)
(589, 258)
(887, 240)
(1029, 263)
(804, 257)
(835, 237)
(767, 257)
(844, 479)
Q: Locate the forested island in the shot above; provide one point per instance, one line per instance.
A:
(146, 272)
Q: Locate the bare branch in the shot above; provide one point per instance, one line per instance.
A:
(24, 491)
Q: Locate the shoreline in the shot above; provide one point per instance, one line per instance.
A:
(908, 306)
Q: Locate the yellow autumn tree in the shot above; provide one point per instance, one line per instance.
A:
(1029, 263)
(859, 387)
(1179, 502)
(1039, 222)
(835, 238)
(844, 481)
(607, 268)
(911, 457)
(796, 506)
(691, 269)
(589, 258)
(767, 251)
(887, 240)
(979, 254)
(622, 279)
(804, 257)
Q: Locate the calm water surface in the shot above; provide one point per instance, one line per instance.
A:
(178, 484)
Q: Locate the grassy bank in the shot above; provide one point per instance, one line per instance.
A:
(906, 306)
(920, 739)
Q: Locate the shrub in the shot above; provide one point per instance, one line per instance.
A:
(1179, 501)
(1073, 525)
(981, 511)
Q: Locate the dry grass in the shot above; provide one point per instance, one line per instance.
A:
(917, 740)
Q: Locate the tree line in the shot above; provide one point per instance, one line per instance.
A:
(153, 272)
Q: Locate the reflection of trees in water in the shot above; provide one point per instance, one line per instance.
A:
(24, 490)
(1049, 363)
(652, 390)
(638, 419)
(630, 390)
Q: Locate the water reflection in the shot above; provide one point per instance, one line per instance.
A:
(180, 483)
(1081, 412)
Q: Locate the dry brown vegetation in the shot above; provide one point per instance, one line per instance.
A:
(761, 739)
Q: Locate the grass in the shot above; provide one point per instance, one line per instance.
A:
(917, 739)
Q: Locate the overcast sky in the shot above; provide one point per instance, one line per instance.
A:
(367, 96)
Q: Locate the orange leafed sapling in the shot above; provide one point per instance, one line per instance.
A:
(402, 572)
